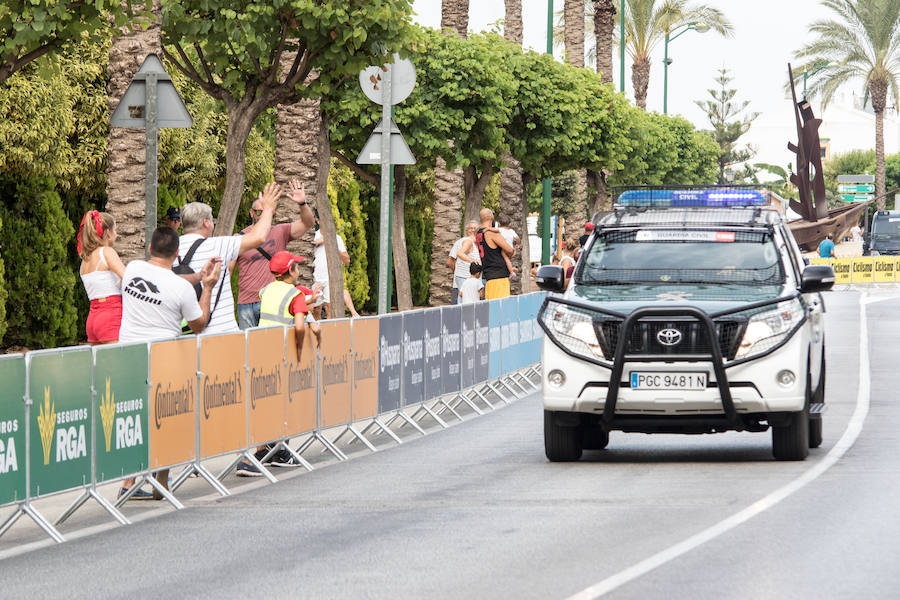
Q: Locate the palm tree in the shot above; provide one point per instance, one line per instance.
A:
(448, 185)
(126, 174)
(604, 31)
(646, 24)
(864, 42)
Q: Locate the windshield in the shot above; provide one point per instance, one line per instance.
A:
(886, 228)
(673, 256)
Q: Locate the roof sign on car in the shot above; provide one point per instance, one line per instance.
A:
(682, 235)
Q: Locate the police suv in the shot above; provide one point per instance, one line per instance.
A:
(689, 311)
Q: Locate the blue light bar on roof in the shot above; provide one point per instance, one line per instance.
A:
(693, 197)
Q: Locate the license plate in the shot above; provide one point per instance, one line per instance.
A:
(650, 380)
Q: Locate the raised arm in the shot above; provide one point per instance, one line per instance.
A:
(260, 231)
(307, 220)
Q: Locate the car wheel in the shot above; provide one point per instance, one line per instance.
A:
(594, 438)
(561, 444)
(791, 441)
(815, 425)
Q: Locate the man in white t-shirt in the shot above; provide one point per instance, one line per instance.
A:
(155, 300)
(320, 276)
(856, 233)
(198, 223)
(471, 290)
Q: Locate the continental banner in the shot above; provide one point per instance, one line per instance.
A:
(390, 359)
(223, 412)
(861, 270)
(364, 341)
(496, 339)
(267, 384)
(335, 372)
(302, 381)
(12, 428)
(469, 356)
(433, 381)
(451, 346)
(885, 267)
(60, 392)
(122, 410)
(173, 402)
(413, 357)
(482, 341)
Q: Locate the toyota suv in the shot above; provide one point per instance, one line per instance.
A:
(689, 311)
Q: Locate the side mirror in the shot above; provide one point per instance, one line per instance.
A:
(805, 261)
(817, 278)
(551, 278)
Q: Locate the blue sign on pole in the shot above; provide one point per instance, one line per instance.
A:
(482, 341)
(451, 321)
(413, 357)
(496, 326)
(510, 333)
(390, 362)
(433, 379)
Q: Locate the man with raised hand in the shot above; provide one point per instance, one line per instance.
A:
(253, 266)
(196, 247)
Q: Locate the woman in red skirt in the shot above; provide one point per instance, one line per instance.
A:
(101, 273)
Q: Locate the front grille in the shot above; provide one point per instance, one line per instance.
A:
(644, 336)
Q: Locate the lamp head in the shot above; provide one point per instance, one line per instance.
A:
(700, 27)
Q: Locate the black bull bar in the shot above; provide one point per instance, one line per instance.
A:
(628, 323)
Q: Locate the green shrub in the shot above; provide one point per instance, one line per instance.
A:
(346, 207)
(2, 292)
(40, 283)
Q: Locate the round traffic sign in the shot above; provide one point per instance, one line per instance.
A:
(403, 80)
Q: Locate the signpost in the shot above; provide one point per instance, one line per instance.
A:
(151, 102)
(386, 85)
(856, 188)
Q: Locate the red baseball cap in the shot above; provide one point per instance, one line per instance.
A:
(282, 261)
(589, 226)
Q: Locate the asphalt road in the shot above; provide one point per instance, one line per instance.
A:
(477, 511)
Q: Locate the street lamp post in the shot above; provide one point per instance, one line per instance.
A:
(545, 204)
(813, 69)
(698, 27)
(622, 47)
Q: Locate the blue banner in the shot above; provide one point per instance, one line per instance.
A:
(496, 326)
(413, 357)
(469, 354)
(509, 309)
(451, 317)
(529, 330)
(482, 341)
(433, 373)
(390, 358)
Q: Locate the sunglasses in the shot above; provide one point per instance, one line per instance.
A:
(256, 211)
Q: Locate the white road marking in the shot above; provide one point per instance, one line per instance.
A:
(854, 427)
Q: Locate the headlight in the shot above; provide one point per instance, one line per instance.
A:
(770, 328)
(573, 329)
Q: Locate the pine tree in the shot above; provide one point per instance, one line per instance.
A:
(720, 111)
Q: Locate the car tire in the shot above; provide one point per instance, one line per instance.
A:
(594, 438)
(791, 441)
(815, 425)
(561, 444)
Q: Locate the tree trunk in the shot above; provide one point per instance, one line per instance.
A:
(326, 223)
(126, 151)
(514, 205)
(240, 122)
(878, 91)
(455, 16)
(601, 199)
(447, 213)
(297, 157)
(574, 32)
(475, 185)
(640, 79)
(604, 27)
(512, 24)
(402, 281)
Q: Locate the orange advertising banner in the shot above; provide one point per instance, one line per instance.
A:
(335, 373)
(365, 368)
(268, 389)
(302, 379)
(223, 413)
(173, 402)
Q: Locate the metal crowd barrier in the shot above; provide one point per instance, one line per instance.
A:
(74, 418)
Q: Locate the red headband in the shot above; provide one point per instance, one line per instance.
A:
(98, 226)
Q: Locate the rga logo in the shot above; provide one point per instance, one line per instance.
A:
(46, 424)
(129, 432)
(8, 459)
(107, 415)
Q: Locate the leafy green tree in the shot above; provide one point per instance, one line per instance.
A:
(29, 29)
(234, 51)
(728, 125)
(860, 43)
(40, 305)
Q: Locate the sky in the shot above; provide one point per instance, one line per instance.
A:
(767, 33)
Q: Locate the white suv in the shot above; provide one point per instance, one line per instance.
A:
(685, 319)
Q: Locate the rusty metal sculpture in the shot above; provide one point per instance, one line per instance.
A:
(812, 205)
